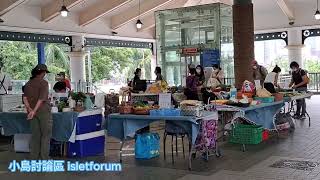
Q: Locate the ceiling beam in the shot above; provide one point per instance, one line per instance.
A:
(52, 10)
(146, 7)
(98, 10)
(8, 5)
(286, 9)
(149, 21)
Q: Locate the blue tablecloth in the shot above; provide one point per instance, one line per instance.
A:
(123, 126)
(16, 122)
(263, 114)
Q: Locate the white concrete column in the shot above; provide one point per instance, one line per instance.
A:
(154, 63)
(295, 46)
(153, 66)
(77, 66)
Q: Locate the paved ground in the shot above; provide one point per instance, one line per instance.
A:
(302, 145)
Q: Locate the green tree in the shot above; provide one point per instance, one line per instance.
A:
(56, 58)
(18, 58)
(312, 65)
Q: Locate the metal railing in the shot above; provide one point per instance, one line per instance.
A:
(83, 87)
(313, 86)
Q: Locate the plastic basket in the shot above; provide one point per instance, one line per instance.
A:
(246, 134)
(165, 112)
(265, 99)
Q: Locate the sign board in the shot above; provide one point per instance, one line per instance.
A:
(165, 100)
(210, 57)
(190, 51)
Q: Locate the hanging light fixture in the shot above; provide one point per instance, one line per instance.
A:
(139, 23)
(64, 11)
(317, 14)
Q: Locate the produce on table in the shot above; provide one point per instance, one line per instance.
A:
(263, 93)
(158, 87)
(191, 103)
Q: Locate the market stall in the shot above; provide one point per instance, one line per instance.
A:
(73, 128)
(125, 126)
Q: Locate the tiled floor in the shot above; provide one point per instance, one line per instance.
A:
(254, 164)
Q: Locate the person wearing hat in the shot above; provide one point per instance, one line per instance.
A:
(63, 78)
(35, 98)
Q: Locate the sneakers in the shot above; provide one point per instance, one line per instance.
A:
(303, 116)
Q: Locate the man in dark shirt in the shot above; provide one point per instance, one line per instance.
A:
(299, 82)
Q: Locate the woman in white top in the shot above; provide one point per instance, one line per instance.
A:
(216, 78)
(271, 80)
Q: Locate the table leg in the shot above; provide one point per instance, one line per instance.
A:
(120, 154)
(190, 157)
(309, 118)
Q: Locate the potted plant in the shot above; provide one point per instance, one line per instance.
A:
(79, 98)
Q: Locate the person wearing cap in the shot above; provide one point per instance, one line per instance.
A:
(35, 98)
(63, 78)
(259, 72)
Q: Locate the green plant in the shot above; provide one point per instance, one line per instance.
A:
(78, 96)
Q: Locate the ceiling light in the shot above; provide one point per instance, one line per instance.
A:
(139, 24)
(64, 11)
(317, 14)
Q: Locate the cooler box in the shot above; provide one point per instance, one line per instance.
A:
(90, 144)
(89, 121)
(22, 142)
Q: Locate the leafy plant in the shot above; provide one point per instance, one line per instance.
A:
(78, 96)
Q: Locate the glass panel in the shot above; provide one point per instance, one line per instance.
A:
(272, 52)
(191, 27)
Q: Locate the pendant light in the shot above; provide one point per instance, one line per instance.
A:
(317, 14)
(64, 11)
(139, 23)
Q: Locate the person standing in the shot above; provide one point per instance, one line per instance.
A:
(299, 82)
(65, 80)
(259, 72)
(157, 71)
(192, 81)
(271, 80)
(216, 78)
(200, 75)
(36, 101)
(5, 81)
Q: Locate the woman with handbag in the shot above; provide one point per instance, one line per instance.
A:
(214, 81)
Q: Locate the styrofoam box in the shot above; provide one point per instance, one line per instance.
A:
(88, 147)
(22, 142)
(9, 101)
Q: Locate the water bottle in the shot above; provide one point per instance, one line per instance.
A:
(233, 93)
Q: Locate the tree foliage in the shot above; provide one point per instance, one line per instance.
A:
(312, 65)
(18, 58)
(107, 62)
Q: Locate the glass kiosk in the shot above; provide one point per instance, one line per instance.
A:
(194, 35)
